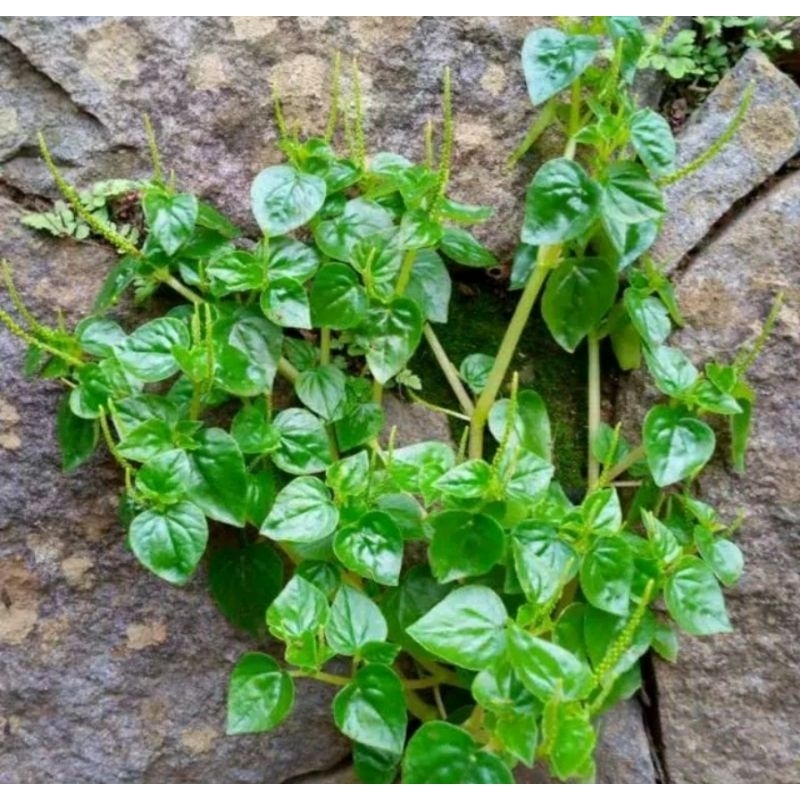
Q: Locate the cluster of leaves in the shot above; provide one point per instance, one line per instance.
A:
(702, 54)
(98, 199)
(487, 618)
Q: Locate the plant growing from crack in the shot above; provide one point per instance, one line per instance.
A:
(487, 619)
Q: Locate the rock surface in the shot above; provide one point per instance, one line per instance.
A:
(730, 709)
(767, 138)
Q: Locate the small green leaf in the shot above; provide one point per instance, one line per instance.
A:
(544, 563)
(467, 628)
(671, 369)
(722, 555)
(304, 448)
(288, 258)
(418, 230)
(629, 195)
(243, 582)
(252, 431)
(562, 202)
(406, 512)
(337, 298)
(322, 389)
(464, 544)
(649, 316)
(464, 213)
(285, 303)
(360, 425)
(77, 437)
(374, 766)
(546, 669)
(665, 642)
(164, 478)
(475, 369)
(147, 352)
(551, 60)
(442, 753)
(349, 477)
(372, 548)
(417, 467)
(303, 512)
(235, 271)
(678, 444)
(577, 296)
(371, 710)
(570, 742)
(606, 575)
(282, 199)
(653, 141)
(170, 543)
(430, 286)
(299, 610)
(99, 337)
(260, 695)
(469, 479)
(147, 440)
(530, 428)
(354, 620)
(390, 335)
(171, 220)
(361, 218)
(218, 477)
(463, 248)
(694, 598)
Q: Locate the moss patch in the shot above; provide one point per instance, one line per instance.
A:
(478, 317)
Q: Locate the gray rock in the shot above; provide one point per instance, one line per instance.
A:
(730, 708)
(768, 137)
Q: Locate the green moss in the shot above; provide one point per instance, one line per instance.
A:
(478, 318)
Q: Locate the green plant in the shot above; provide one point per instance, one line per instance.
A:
(700, 56)
(487, 619)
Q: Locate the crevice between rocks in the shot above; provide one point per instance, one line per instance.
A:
(736, 209)
(651, 718)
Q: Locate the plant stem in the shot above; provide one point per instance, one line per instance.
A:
(405, 272)
(288, 371)
(593, 468)
(449, 370)
(419, 708)
(324, 346)
(421, 401)
(608, 476)
(547, 258)
(537, 128)
(323, 677)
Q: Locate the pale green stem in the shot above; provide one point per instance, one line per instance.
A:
(537, 128)
(593, 469)
(288, 371)
(608, 476)
(449, 370)
(548, 256)
(324, 346)
(405, 272)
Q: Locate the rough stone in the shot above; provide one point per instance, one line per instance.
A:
(729, 710)
(768, 137)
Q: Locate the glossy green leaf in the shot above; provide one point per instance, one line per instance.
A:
(374, 766)
(322, 389)
(349, 476)
(547, 669)
(324, 575)
(77, 437)
(260, 695)
(302, 512)
(678, 444)
(606, 575)
(243, 582)
(665, 642)
(523, 265)
(722, 555)
(544, 562)
(147, 440)
(562, 202)
(649, 316)
(247, 349)
(406, 512)
(163, 479)
(442, 753)
(218, 477)
(99, 337)
(469, 479)
(209, 217)
(629, 195)
(464, 213)
(628, 34)
(360, 425)
(530, 427)
(464, 544)
(551, 60)
(252, 431)
(372, 548)
(235, 271)
(285, 302)
(430, 286)
(170, 543)
(694, 598)
(147, 352)
(570, 742)
(288, 258)
(671, 369)
(475, 369)
(524, 476)
(299, 610)
(361, 218)
(282, 199)
(653, 141)
(630, 240)
(417, 231)
(116, 282)
(463, 248)
(337, 298)
(354, 620)
(170, 219)
(601, 512)
(467, 628)
(304, 448)
(371, 709)
(665, 545)
(417, 467)
(390, 335)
